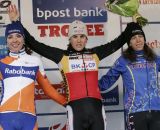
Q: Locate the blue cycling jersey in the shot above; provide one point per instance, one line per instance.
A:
(140, 80)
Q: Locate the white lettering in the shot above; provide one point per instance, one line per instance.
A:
(84, 13)
(21, 71)
(54, 13)
(66, 13)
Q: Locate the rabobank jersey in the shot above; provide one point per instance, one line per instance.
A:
(18, 73)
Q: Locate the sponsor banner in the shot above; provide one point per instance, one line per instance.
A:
(40, 95)
(3, 46)
(51, 18)
(62, 30)
(150, 9)
(111, 97)
(52, 122)
(65, 11)
(54, 127)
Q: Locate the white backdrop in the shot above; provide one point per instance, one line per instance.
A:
(52, 116)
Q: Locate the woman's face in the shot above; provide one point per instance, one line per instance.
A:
(15, 42)
(78, 42)
(137, 42)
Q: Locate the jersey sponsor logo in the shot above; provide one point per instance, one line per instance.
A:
(80, 57)
(81, 63)
(16, 71)
(142, 65)
(21, 71)
(77, 65)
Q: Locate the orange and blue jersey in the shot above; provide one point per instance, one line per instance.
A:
(18, 73)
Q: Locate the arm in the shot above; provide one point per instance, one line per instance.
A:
(111, 76)
(49, 90)
(109, 48)
(52, 53)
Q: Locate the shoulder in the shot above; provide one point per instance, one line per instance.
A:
(6, 60)
(122, 60)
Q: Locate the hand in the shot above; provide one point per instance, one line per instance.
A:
(13, 13)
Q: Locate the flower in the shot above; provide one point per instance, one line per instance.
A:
(127, 8)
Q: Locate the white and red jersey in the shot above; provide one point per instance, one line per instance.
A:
(18, 73)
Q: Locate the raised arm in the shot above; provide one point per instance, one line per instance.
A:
(109, 48)
(52, 53)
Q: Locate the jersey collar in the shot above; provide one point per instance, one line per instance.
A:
(17, 54)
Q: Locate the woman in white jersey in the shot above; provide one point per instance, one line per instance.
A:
(18, 72)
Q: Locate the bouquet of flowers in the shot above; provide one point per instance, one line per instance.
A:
(127, 8)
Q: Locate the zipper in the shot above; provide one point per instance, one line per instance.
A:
(85, 77)
(20, 93)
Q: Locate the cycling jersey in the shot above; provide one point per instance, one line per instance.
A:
(140, 80)
(79, 68)
(18, 74)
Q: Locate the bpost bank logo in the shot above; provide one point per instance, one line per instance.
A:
(66, 11)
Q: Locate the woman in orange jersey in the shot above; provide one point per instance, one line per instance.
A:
(18, 72)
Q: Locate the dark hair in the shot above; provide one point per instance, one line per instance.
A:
(129, 54)
(28, 50)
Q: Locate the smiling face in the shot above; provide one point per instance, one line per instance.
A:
(137, 42)
(78, 41)
(15, 42)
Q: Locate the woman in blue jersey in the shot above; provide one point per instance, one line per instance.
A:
(18, 72)
(139, 68)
